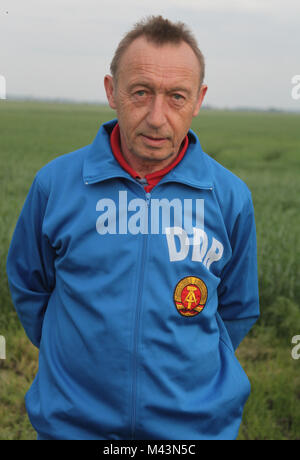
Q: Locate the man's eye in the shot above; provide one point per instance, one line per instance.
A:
(140, 93)
(178, 97)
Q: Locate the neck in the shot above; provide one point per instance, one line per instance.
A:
(144, 167)
(152, 170)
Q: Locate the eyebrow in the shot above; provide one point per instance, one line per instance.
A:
(149, 86)
(180, 89)
(141, 83)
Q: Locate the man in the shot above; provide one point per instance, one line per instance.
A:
(133, 264)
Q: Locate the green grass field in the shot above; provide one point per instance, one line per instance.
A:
(263, 148)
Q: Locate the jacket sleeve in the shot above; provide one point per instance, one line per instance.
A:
(238, 290)
(30, 264)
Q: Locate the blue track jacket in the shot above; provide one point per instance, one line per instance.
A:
(136, 301)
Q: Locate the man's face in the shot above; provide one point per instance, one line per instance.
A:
(156, 95)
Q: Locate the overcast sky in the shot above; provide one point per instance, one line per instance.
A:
(63, 48)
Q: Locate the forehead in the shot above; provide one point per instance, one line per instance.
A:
(168, 62)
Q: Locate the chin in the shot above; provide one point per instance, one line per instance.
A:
(156, 156)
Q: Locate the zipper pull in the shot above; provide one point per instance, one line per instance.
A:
(148, 199)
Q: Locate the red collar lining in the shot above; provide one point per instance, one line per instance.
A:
(152, 178)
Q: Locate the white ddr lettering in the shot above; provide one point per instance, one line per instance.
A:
(199, 243)
(214, 254)
(181, 253)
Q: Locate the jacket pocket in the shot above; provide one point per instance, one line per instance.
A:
(240, 383)
(236, 374)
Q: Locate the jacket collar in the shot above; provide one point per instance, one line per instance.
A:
(100, 163)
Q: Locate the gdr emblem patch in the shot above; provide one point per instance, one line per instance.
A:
(190, 296)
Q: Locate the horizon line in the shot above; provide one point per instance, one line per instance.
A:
(105, 103)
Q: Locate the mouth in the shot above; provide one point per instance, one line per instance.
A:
(154, 141)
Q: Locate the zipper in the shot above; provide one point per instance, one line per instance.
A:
(137, 320)
(138, 307)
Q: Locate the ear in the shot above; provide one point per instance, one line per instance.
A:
(201, 95)
(109, 86)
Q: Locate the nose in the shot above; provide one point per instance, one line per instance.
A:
(156, 116)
